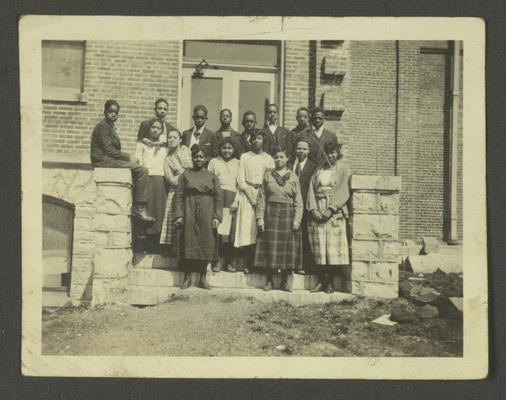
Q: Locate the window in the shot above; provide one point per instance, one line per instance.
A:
(63, 70)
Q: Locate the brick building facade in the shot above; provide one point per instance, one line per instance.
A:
(390, 103)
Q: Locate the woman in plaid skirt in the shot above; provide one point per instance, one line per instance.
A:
(177, 161)
(326, 203)
(279, 214)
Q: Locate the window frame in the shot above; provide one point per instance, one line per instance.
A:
(63, 94)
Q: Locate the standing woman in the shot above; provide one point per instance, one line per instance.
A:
(326, 203)
(252, 168)
(225, 167)
(150, 152)
(198, 210)
(177, 161)
(279, 214)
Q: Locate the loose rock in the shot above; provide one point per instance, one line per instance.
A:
(427, 311)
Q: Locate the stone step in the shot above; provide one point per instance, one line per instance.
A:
(154, 261)
(55, 298)
(153, 295)
(238, 280)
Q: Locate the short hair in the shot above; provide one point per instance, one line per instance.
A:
(248, 113)
(317, 110)
(110, 103)
(278, 149)
(161, 100)
(257, 132)
(197, 148)
(331, 146)
(174, 130)
(272, 105)
(198, 108)
(225, 109)
(302, 109)
(226, 140)
(154, 121)
(303, 140)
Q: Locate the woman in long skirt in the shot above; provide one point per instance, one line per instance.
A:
(150, 152)
(177, 161)
(326, 203)
(279, 214)
(198, 210)
(252, 168)
(225, 167)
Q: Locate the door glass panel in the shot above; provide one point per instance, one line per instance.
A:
(207, 92)
(254, 96)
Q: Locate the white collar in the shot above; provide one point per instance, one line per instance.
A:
(200, 131)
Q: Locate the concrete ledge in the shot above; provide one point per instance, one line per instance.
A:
(152, 296)
(113, 175)
(237, 280)
(431, 262)
(374, 182)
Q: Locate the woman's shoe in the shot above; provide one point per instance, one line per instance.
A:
(268, 287)
(229, 268)
(187, 281)
(245, 271)
(217, 268)
(286, 287)
(203, 283)
(328, 288)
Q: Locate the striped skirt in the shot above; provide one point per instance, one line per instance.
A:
(167, 234)
(328, 240)
(279, 247)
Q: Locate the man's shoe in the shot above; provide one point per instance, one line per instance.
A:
(142, 214)
(229, 268)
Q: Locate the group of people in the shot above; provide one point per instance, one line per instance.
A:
(280, 195)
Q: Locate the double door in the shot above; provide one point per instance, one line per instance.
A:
(238, 91)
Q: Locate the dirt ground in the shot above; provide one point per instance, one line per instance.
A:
(200, 323)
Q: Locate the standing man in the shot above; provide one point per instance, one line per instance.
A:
(278, 136)
(225, 131)
(302, 118)
(105, 152)
(199, 134)
(161, 111)
(317, 136)
(304, 169)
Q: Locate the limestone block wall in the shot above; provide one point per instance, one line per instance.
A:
(112, 233)
(375, 242)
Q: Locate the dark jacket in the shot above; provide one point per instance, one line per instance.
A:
(282, 138)
(304, 177)
(234, 136)
(105, 144)
(206, 140)
(316, 154)
(144, 128)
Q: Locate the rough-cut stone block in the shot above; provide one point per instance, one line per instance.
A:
(80, 291)
(108, 291)
(82, 263)
(431, 262)
(389, 203)
(373, 182)
(364, 202)
(84, 212)
(365, 249)
(112, 262)
(102, 238)
(81, 276)
(154, 277)
(375, 289)
(384, 271)
(81, 249)
(430, 245)
(109, 222)
(120, 239)
(360, 270)
(114, 199)
(391, 250)
(147, 295)
(112, 175)
(83, 224)
(374, 226)
(155, 261)
(83, 238)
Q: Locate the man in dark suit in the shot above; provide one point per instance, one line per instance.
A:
(249, 121)
(302, 117)
(199, 134)
(105, 152)
(161, 111)
(304, 169)
(317, 136)
(225, 131)
(277, 135)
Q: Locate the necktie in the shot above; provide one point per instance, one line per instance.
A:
(297, 169)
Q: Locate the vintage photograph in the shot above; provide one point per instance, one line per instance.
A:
(235, 196)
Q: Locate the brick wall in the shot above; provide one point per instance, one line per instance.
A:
(135, 73)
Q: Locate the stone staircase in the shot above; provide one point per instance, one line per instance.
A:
(154, 278)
